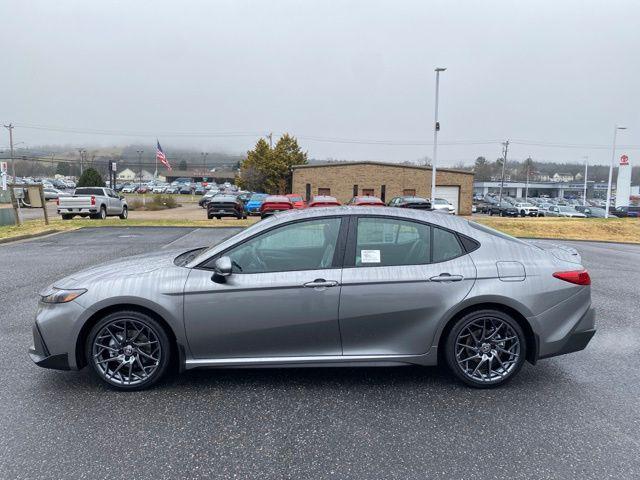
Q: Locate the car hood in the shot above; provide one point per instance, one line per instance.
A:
(127, 267)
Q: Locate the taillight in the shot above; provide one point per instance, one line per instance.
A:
(93, 200)
(579, 277)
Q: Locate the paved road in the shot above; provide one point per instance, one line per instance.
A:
(576, 416)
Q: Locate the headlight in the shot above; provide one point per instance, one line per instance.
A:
(59, 295)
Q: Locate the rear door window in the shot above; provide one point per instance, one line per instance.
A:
(445, 245)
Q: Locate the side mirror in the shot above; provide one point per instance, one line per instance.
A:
(222, 268)
(121, 197)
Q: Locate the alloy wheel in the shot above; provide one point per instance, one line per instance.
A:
(126, 352)
(487, 350)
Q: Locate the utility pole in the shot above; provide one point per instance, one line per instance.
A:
(526, 188)
(613, 159)
(139, 152)
(504, 164)
(10, 127)
(82, 153)
(586, 169)
(436, 129)
(270, 137)
(204, 161)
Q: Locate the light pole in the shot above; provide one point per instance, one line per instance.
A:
(204, 160)
(613, 157)
(526, 189)
(586, 169)
(436, 129)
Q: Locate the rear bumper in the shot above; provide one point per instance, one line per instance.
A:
(577, 339)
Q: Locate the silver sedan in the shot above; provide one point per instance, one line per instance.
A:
(320, 287)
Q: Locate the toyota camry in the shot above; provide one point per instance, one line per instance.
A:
(320, 287)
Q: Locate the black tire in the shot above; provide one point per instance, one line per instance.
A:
(523, 213)
(125, 213)
(101, 215)
(66, 216)
(491, 213)
(113, 319)
(471, 320)
(218, 217)
(210, 217)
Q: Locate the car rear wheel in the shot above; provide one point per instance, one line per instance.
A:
(128, 350)
(485, 348)
(66, 216)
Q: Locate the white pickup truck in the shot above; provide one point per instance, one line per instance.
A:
(94, 202)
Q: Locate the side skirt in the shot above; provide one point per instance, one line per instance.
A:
(426, 359)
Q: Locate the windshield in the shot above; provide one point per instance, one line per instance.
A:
(295, 199)
(566, 209)
(258, 196)
(440, 201)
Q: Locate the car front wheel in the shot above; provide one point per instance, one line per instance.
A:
(128, 350)
(485, 348)
(124, 214)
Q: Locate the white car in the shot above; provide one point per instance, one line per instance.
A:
(128, 189)
(159, 189)
(527, 209)
(443, 206)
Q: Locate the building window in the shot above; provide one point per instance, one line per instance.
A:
(307, 192)
(355, 190)
(409, 192)
(367, 192)
(383, 193)
(324, 191)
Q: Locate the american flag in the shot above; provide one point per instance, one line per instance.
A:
(162, 157)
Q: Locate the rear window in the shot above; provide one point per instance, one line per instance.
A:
(495, 233)
(89, 191)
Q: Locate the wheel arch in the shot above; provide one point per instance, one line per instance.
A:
(177, 359)
(512, 311)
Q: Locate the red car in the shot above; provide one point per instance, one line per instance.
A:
(324, 201)
(298, 202)
(367, 202)
(274, 204)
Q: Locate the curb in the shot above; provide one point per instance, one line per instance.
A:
(32, 235)
(579, 240)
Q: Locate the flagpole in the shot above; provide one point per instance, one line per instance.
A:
(155, 177)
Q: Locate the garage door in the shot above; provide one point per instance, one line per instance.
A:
(451, 194)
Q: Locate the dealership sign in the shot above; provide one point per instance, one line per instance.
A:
(623, 185)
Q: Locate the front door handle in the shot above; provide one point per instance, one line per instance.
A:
(320, 283)
(446, 277)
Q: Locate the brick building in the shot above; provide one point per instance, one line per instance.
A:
(344, 180)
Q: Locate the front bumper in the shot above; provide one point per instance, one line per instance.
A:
(40, 355)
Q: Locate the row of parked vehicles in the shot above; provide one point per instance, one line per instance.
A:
(550, 207)
(182, 185)
(243, 204)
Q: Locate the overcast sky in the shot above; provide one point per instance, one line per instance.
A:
(542, 71)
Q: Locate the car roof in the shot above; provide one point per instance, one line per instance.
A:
(277, 198)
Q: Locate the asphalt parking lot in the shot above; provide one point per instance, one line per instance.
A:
(576, 416)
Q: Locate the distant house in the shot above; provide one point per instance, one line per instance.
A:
(542, 177)
(128, 175)
(562, 177)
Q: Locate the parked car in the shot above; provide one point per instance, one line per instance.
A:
(443, 206)
(94, 202)
(142, 189)
(623, 212)
(418, 203)
(504, 209)
(366, 201)
(324, 201)
(274, 204)
(206, 198)
(160, 188)
(253, 205)
(54, 193)
(527, 209)
(225, 206)
(172, 189)
(563, 211)
(411, 287)
(199, 190)
(185, 188)
(129, 188)
(297, 200)
(591, 212)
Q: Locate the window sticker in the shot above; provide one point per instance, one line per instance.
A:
(369, 256)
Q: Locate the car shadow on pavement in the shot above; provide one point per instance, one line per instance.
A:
(543, 375)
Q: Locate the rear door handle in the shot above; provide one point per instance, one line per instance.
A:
(320, 282)
(446, 277)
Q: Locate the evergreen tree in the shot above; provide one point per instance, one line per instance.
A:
(90, 178)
